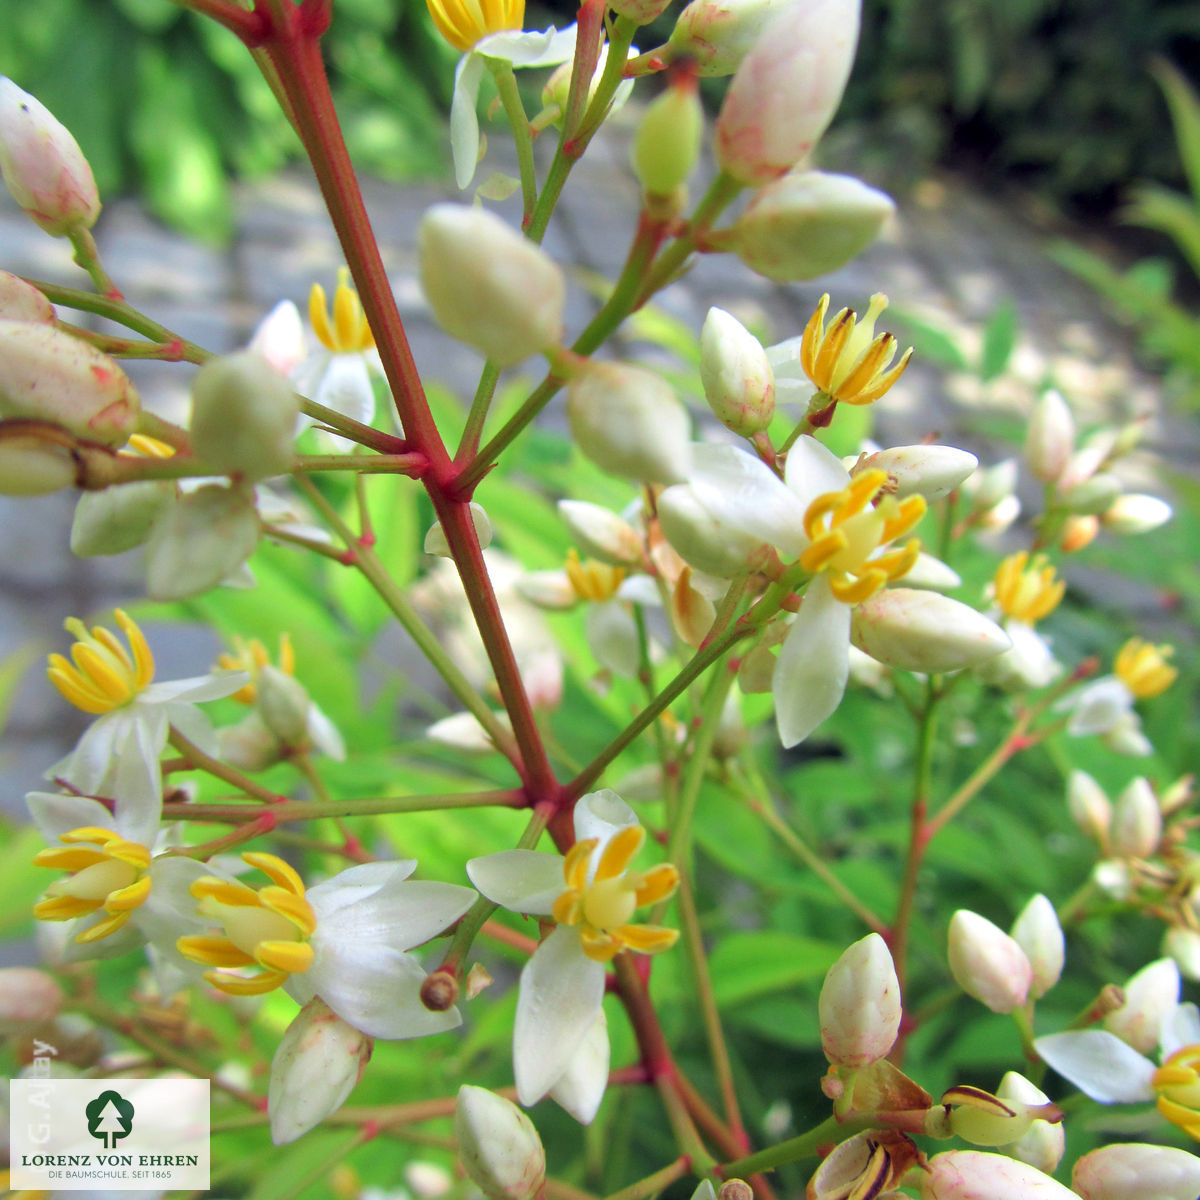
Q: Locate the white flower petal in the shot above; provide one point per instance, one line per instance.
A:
(1180, 1027)
(346, 388)
(464, 121)
(137, 779)
(602, 814)
(523, 881)
(529, 48)
(325, 735)
(581, 1087)
(356, 883)
(1098, 707)
(279, 338)
(812, 470)
(640, 589)
(813, 664)
(86, 766)
(612, 637)
(55, 814)
(193, 690)
(1099, 1064)
(561, 993)
(193, 723)
(402, 914)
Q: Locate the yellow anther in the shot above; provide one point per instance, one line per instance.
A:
(464, 22)
(149, 447)
(251, 656)
(345, 331)
(1027, 590)
(103, 675)
(1177, 1085)
(847, 362)
(592, 580)
(267, 928)
(602, 906)
(1143, 668)
(104, 872)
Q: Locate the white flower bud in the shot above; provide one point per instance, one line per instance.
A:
(487, 285)
(1027, 663)
(1183, 945)
(118, 518)
(978, 1175)
(21, 301)
(859, 1007)
(1114, 878)
(931, 575)
(319, 1061)
(808, 224)
(435, 535)
(739, 384)
(1137, 1171)
(717, 34)
(930, 471)
(787, 89)
(1000, 517)
(284, 705)
(49, 375)
(1136, 513)
(42, 164)
(498, 1145)
(551, 590)
(28, 998)
(1043, 1145)
(1150, 995)
(35, 459)
(462, 731)
(987, 964)
(666, 145)
(992, 485)
(699, 538)
(249, 745)
(244, 417)
(200, 540)
(1050, 437)
(629, 422)
(1137, 821)
(1038, 932)
(600, 532)
(924, 631)
(1092, 495)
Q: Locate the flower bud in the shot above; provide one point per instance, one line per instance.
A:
(987, 964)
(249, 745)
(557, 88)
(992, 485)
(924, 631)
(1136, 513)
(284, 705)
(641, 11)
(738, 381)
(929, 471)
(1050, 437)
(977, 1175)
(717, 34)
(709, 545)
(28, 998)
(487, 285)
(787, 89)
(1043, 1145)
(435, 536)
(49, 375)
(35, 459)
(600, 532)
(498, 1145)
(1093, 495)
(859, 1007)
(118, 518)
(629, 422)
(1183, 945)
(867, 1164)
(21, 301)
(462, 731)
(43, 166)
(1038, 932)
(1150, 995)
(319, 1061)
(1028, 663)
(1077, 532)
(1137, 821)
(982, 1119)
(666, 145)
(1137, 1171)
(808, 224)
(244, 417)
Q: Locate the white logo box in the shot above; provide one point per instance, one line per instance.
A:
(161, 1145)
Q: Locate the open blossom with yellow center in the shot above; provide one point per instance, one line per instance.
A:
(251, 656)
(104, 872)
(103, 674)
(562, 985)
(1143, 668)
(464, 22)
(847, 362)
(1027, 590)
(344, 329)
(1177, 1085)
(846, 530)
(592, 580)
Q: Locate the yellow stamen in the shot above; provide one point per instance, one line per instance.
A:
(847, 363)
(1177, 1084)
(464, 22)
(594, 581)
(345, 331)
(1027, 590)
(251, 657)
(1143, 668)
(104, 675)
(149, 447)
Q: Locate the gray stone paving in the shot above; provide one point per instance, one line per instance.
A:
(952, 255)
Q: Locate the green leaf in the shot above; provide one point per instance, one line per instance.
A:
(23, 882)
(744, 965)
(1185, 116)
(1177, 216)
(999, 338)
(929, 343)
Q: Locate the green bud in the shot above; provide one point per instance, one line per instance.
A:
(284, 706)
(666, 146)
(118, 518)
(35, 459)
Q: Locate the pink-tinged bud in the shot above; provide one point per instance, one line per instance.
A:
(859, 1007)
(1137, 821)
(319, 1061)
(51, 376)
(739, 384)
(1050, 437)
(43, 166)
(21, 301)
(924, 631)
(35, 459)
(1149, 996)
(807, 224)
(1089, 806)
(1043, 1145)
(1038, 932)
(1183, 945)
(929, 471)
(641, 11)
(666, 146)
(1136, 1171)
(699, 538)
(717, 34)
(28, 998)
(487, 285)
(1136, 513)
(787, 89)
(988, 964)
(629, 422)
(977, 1175)
(601, 533)
(498, 1145)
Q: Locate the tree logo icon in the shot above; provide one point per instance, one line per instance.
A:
(109, 1118)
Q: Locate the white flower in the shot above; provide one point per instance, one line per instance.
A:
(591, 895)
